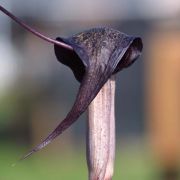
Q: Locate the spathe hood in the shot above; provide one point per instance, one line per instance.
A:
(98, 54)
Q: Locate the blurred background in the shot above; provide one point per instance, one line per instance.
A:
(36, 91)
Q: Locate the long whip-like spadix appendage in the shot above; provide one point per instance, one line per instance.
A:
(28, 28)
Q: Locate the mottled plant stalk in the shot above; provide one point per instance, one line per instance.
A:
(101, 133)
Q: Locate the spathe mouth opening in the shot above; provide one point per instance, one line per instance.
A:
(131, 55)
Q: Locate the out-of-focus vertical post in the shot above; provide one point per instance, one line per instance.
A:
(163, 100)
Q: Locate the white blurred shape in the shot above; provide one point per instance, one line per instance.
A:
(8, 67)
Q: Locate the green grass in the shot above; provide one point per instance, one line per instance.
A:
(131, 164)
